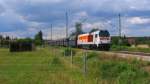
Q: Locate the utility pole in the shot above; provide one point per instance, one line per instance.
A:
(120, 26)
(51, 32)
(120, 29)
(85, 62)
(67, 28)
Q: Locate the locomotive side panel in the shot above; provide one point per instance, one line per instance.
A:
(85, 39)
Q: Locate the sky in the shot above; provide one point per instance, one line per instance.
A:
(24, 18)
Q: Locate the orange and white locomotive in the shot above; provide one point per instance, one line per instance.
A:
(96, 40)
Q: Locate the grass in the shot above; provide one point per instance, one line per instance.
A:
(126, 48)
(49, 66)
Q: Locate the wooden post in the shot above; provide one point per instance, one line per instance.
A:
(71, 56)
(96, 80)
(85, 62)
(65, 52)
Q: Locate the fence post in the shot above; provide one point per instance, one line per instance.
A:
(53, 51)
(97, 80)
(71, 56)
(85, 62)
(64, 52)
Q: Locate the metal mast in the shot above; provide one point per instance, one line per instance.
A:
(51, 32)
(67, 28)
(120, 29)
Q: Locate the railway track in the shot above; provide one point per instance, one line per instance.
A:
(126, 54)
(134, 53)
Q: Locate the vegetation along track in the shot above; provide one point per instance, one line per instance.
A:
(128, 54)
(135, 53)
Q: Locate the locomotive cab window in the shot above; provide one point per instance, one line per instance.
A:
(96, 35)
(104, 33)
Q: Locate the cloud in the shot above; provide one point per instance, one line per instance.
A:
(34, 15)
(45, 1)
(139, 20)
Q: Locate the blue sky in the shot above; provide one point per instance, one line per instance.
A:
(24, 18)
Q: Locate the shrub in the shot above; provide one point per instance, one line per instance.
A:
(116, 47)
(25, 40)
(123, 72)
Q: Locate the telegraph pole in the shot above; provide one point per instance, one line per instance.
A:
(66, 24)
(120, 29)
(67, 29)
(51, 32)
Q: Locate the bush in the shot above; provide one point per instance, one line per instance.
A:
(116, 48)
(26, 40)
(123, 72)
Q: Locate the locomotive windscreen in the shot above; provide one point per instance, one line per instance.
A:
(104, 33)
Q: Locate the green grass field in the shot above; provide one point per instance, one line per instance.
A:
(49, 66)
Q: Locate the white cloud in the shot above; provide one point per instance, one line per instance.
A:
(88, 26)
(14, 34)
(45, 1)
(33, 13)
(82, 14)
(139, 20)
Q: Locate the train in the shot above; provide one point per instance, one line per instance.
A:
(99, 39)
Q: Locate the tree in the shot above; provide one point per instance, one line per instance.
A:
(78, 31)
(125, 41)
(115, 40)
(26, 40)
(7, 38)
(1, 37)
(38, 40)
(79, 28)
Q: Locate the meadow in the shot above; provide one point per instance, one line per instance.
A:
(50, 66)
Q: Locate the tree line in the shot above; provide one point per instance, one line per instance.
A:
(37, 40)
